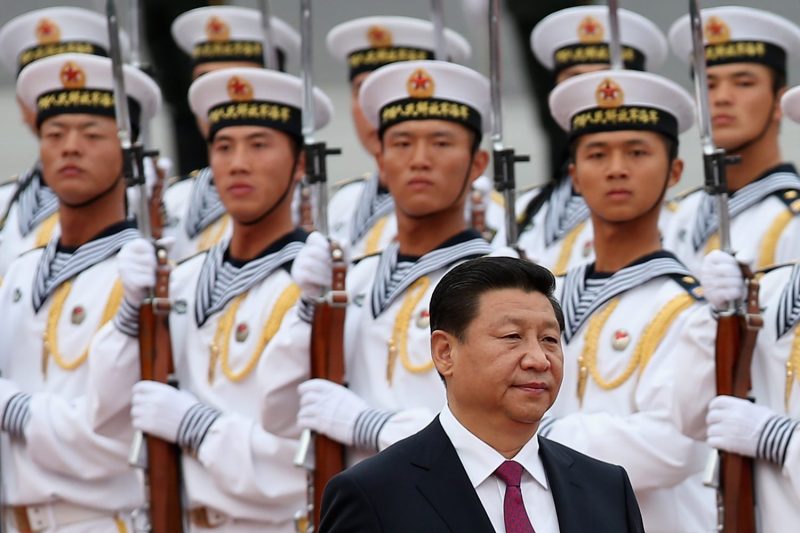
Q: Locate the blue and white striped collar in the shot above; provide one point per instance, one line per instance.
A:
(98, 249)
(373, 204)
(639, 272)
(466, 245)
(779, 178)
(248, 275)
(205, 206)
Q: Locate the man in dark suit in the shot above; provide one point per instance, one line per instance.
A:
(496, 342)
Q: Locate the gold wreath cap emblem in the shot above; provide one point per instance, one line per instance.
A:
(47, 32)
(420, 84)
(239, 89)
(217, 29)
(591, 30)
(72, 76)
(379, 36)
(609, 94)
(717, 31)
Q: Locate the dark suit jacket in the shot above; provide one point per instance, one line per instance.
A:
(419, 484)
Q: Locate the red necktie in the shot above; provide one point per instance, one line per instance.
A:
(514, 514)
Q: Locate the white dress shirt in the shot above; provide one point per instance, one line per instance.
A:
(481, 460)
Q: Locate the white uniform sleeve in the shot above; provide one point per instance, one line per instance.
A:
(404, 424)
(89, 437)
(251, 464)
(647, 442)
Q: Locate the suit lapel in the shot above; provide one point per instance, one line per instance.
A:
(568, 491)
(445, 484)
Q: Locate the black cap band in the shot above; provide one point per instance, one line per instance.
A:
(593, 54)
(220, 51)
(645, 118)
(275, 115)
(84, 101)
(40, 51)
(369, 59)
(746, 52)
(429, 109)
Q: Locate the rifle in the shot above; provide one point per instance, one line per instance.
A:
(327, 327)
(614, 42)
(270, 57)
(163, 458)
(738, 325)
(503, 158)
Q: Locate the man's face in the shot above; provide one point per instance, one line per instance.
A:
(252, 166)
(424, 164)
(576, 70)
(81, 156)
(743, 103)
(508, 368)
(367, 133)
(622, 174)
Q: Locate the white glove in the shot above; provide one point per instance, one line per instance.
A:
(329, 409)
(137, 270)
(721, 279)
(735, 425)
(311, 269)
(157, 409)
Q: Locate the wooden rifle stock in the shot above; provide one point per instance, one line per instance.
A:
(163, 458)
(327, 362)
(736, 336)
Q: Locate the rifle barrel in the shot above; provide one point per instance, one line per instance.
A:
(270, 57)
(615, 41)
(437, 17)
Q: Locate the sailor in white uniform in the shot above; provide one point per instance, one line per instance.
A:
(554, 221)
(635, 305)
(430, 116)
(228, 304)
(28, 207)
(766, 428)
(64, 451)
(216, 37)
(747, 52)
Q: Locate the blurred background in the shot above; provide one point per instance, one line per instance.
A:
(173, 131)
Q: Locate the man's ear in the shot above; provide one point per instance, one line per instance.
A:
(675, 172)
(479, 164)
(443, 352)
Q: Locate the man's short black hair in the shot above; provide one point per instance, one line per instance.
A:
(454, 303)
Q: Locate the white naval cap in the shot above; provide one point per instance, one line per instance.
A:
(736, 34)
(790, 103)
(621, 100)
(580, 35)
(427, 90)
(231, 33)
(81, 83)
(369, 43)
(54, 30)
(255, 97)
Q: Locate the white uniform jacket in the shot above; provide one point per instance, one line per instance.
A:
(764, 221)
(74, 446)
(618, 395)
(227, 354)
